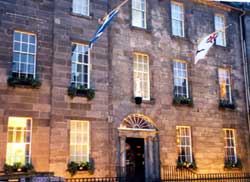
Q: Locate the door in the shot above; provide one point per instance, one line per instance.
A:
(135, 164)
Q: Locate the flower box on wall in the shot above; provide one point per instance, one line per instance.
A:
(74, 167)
(26, 82)
(81, 92)
(182, 101)
(232, 165)
(138, 100)
(226, 104)
(18, 168)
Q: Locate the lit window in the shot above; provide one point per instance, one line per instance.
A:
(80, 65)
(225, 84)
(177, 14)
(81, 7)
(184, 144)
(219, 21)
(139, 13)
(24, 55)
(180, 79)
(141, 73)
(79, 141)
(230, 145)
(19, 140)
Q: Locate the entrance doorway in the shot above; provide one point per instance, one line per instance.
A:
(135, 163)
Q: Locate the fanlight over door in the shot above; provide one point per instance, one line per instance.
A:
(137, 121)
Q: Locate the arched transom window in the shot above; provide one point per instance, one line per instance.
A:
(137, 121)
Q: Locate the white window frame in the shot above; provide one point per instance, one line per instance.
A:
(20, 52)
(231, 146)
(181, 77)
(180, 146)
(173, 18)
(76, 3)
(221, 77)
(75, 144)
(220, 26)
(14, 132)
(82, 64)
(144, 11)
(136, 62)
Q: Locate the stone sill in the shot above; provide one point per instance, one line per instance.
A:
(147, 30)
(144, 102)
(233, 169)
(180, 39)
(88, 17)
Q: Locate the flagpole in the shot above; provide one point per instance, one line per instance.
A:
(122, 4)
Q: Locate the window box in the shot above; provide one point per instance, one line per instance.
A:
(226, 104)
(19, 81)
(186, 165)
(18, 167)
(179, 101)
(138, 100)
(74, 167)
(230, 165)
(81, 92)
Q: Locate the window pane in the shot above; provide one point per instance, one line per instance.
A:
(184, 144)
(224, 84)
(141, 76)
(219, 22)
(180, 79)
(80, 65)
(139, 13)
(229, 145)
(81, 7)
(79, 142)
(177, 19)
(24, 54)
(18, 146)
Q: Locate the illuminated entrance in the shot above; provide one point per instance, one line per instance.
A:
(138, 151)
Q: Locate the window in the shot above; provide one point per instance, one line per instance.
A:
(141, 73)
(177, 14)
(219, 24)
(81, 7)
(184, 144)
(79, 141)
(180, 79)
(24, 55)
(139, 13)
(225, 84)
(230, 145)
(19, 140)
(80, 65)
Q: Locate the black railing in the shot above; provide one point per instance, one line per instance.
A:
(104, 179)
(171, 173)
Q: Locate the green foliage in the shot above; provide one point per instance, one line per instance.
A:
(226, 104)
(229, 164)
(74, 167)
(15, 81)
(186, 165)
(81, 92)
(17, 167)
(8, 169)
(181, 163)
(178, 100)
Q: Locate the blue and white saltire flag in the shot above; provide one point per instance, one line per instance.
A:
(105, 22)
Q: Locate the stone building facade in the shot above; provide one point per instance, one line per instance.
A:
(112, 114)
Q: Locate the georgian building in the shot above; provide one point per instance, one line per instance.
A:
(62, 102)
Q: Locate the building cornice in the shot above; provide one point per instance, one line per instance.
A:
(217, 5)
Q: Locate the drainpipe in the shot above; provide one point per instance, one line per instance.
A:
(245, 68)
